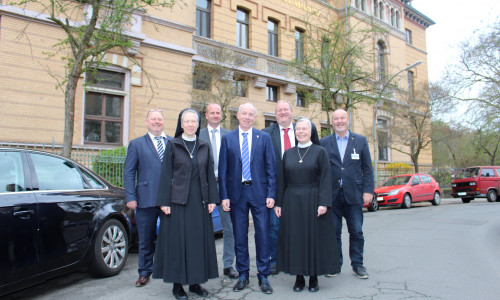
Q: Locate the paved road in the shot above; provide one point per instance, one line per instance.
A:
(451, 251)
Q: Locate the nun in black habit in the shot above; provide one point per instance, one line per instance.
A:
(185, 249)
(307, 245)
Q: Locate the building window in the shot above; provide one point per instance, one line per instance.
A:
(242, 28)
(381, 61)
(383, 139)
(325, 52)
(300, 99)
(201, 79)
(299, 45)
(408, 37)
(240, 87)
(375, 8)
(411, 84)
(398, 20)
(272, 93)
(272, 34)
(357, 3)
(103, 116)
(381, 10)
(203, 17)
(268, 122)
(393, 17)
(363, 5)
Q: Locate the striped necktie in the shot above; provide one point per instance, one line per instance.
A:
(245, 158)
(159, 147)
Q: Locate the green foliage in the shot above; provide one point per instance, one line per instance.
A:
(398, 169)
(443, 176)
(110, 164)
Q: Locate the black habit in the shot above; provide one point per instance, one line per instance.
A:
(307, 244)
(185, 250)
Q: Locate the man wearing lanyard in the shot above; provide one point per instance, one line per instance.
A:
(352, 186)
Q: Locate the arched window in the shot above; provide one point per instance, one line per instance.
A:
(381, 10)
(393, 17)
(381, 61)
(375, 8)
(398, 20)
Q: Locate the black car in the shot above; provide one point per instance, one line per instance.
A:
(57, 216)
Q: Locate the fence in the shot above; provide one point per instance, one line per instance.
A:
(107, 162)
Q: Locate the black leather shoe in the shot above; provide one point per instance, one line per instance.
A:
(179, 292)
(198, 290)
(241, 284)
(231, 273)
(300, 283)
(274, 270)
(265, 286)
(313, 284)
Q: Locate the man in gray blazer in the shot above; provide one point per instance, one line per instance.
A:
(213, 134)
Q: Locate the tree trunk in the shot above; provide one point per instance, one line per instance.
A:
(414, 159)
(69, 111)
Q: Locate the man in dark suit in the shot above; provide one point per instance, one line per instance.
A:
(283, 138)
(247, 181)
(213, 134)
(352, 185)
(143, 161)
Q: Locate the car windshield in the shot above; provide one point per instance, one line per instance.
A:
(397, 181)
(468, 173)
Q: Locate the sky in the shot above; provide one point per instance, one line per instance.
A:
(455, 21)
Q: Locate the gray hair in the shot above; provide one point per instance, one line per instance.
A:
(306, 120)
(191, 111)
(254, 107)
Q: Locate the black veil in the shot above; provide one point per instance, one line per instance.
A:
(179, 130)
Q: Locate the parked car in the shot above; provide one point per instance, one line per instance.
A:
(56, 216)
(477, 182)
(373, 206)
(403, 190)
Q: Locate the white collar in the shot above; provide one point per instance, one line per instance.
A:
(305, 145)
(188, 139)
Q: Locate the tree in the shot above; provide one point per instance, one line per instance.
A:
(92, 28)
(475, 77)
(410, 129)
(337, 59)
(216, 80)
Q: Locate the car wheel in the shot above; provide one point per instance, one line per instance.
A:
(110, 249)
(437, 199)
(466, 200)
(374, 205)
(406, 201)
(492, 196)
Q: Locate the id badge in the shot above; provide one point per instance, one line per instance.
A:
(354, 155)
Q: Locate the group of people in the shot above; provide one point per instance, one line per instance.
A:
(296, 186)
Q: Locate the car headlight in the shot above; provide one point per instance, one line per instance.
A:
(393, 192)
(453, 185)
(472, 183)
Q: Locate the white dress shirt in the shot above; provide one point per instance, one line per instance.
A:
(291, 135)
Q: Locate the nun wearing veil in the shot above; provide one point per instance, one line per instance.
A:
(185, 250)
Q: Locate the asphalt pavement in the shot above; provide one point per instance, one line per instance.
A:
(449, 251)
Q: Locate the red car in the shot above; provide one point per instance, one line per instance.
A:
(402, 190)
(477, 182)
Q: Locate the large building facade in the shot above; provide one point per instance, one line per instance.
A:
(170, 48)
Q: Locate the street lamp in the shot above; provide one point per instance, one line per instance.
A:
(375, 111)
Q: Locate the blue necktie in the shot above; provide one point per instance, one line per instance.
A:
(159, 147)
(245, 158)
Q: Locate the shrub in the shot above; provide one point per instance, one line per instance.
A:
(109, 164)
(443, 176)
(398, 169)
